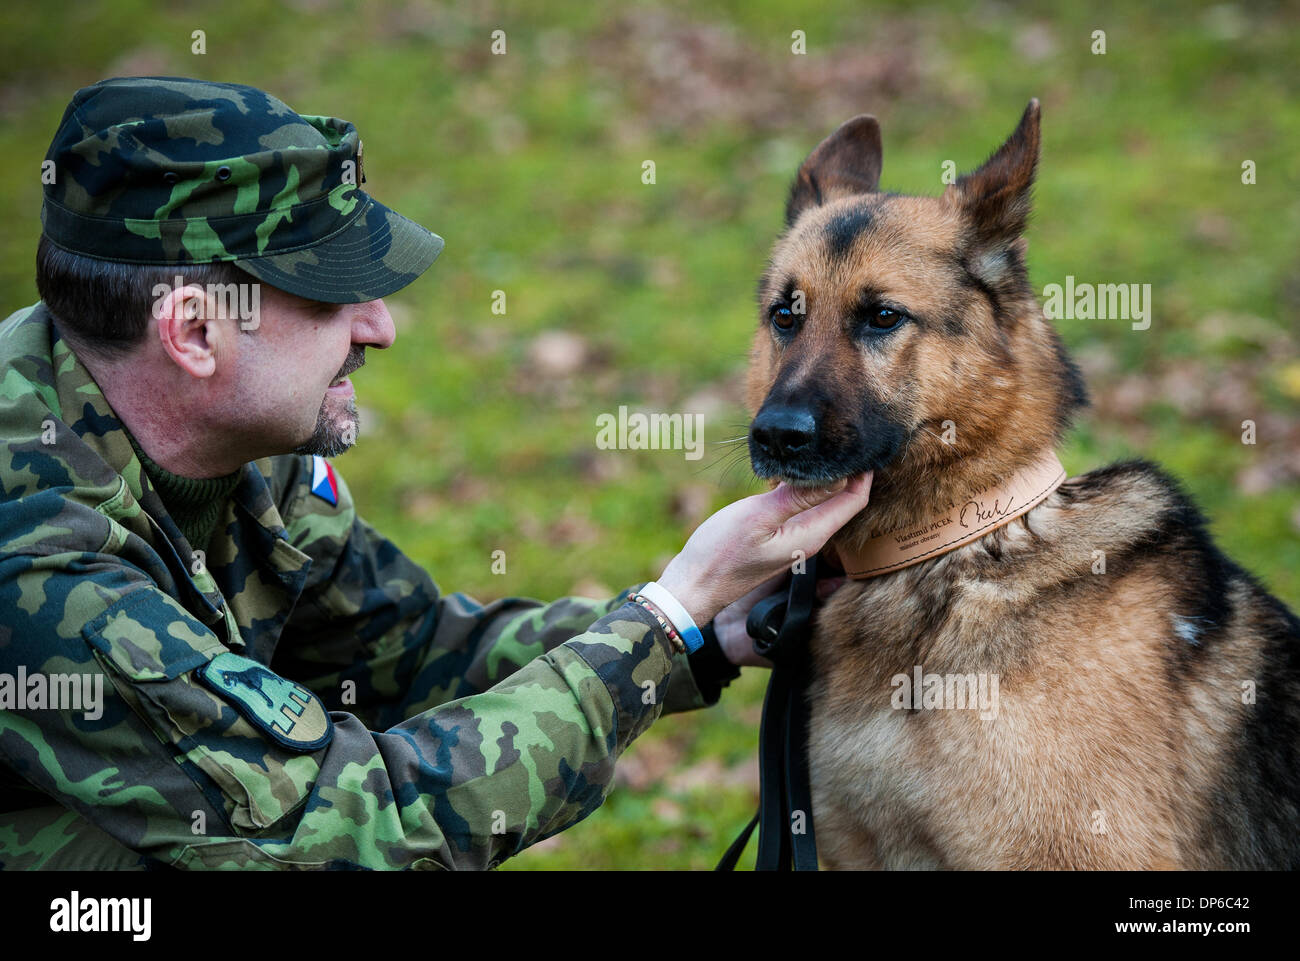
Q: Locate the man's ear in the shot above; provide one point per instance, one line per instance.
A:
(183, 315)
(845, 163)
(995, 200)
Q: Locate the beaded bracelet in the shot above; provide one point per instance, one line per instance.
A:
(674, 638)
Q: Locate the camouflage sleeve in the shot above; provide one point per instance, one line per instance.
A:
(171, 765)
(373, 635)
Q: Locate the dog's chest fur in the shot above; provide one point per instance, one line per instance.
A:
(1093, 644)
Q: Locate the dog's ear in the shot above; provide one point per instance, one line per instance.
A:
(995, 199)
(845, 163)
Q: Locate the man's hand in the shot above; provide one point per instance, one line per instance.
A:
(746, 545)
(729, 623)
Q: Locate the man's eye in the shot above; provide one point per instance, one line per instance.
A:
(782, 316)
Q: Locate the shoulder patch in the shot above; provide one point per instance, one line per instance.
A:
(288, 712)
(323, 484)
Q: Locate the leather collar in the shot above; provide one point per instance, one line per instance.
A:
(959, 524)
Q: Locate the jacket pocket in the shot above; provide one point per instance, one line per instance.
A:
(152, 651)
(239, 855)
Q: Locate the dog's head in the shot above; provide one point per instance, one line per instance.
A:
(899, 329)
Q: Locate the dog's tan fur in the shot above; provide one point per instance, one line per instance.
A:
(1122, 737)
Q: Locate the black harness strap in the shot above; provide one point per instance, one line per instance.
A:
(780, 627)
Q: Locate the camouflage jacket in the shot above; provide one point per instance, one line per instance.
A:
(303, 696)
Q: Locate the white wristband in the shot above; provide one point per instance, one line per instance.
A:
(662, 598)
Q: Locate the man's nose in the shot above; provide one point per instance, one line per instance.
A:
(372, 325)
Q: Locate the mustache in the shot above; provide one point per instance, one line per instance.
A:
(356, 360)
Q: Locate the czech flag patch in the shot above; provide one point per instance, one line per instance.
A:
(323, 483)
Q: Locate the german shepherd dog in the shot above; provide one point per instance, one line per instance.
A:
(1148, 688)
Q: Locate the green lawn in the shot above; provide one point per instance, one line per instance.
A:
(479, 431)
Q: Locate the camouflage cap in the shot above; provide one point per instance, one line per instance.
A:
(168, 170)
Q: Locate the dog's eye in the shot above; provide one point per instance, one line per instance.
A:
(781, 315)
(883, 318)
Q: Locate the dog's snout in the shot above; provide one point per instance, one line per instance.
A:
(782, 431)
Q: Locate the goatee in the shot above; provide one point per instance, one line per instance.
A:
(333, 434)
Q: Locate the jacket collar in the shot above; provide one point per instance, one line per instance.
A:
(250, 576)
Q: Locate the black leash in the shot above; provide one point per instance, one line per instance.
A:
(780, 626)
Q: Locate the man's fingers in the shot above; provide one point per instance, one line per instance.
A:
(820, 522)
(785, 500)
(805, 498)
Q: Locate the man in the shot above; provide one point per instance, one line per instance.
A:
(207, 658)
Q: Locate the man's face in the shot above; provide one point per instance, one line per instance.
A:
(293, 371)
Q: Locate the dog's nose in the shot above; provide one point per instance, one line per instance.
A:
(781, 431)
